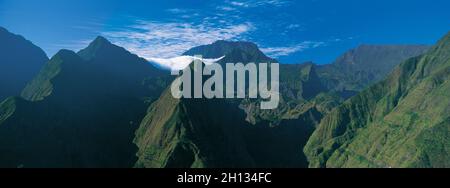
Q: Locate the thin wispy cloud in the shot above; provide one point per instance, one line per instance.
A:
(226, 8)
(239, 4)
(272, 2)
(172, 37)
(287, 50)
(236, 6)
(294, 26)
(256, 3)
(158, 39)
(177, 10)
(186, 29)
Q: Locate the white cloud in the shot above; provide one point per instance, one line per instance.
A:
(180, 62)
(271, 2)
(234, 5)
(257, 3)
(286, 50)
(239, 4)
(165, 40)
(226, 8)
(177, 10)
(152, 39)
(293, 26)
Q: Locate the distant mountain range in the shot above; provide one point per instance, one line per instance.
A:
(375, 106)
(365, 65)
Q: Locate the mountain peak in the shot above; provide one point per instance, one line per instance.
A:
(8, 37)
(101, 40)
(65, 56)
(99, 45)
(65, 53)
(235, 51)
(20, 61)
(116, 59)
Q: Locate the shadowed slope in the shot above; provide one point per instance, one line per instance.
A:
(84, 111)
(20, 61)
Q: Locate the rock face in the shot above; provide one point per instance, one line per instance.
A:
(402, 121)
(81, 110)
(20, 61)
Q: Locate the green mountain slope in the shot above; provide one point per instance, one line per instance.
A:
(91, 109)
(82, 111)
(191, 133)
(218, 133)
(299, 85)
(203, 133)
(402, 121)
(20, 61)
(332, 83)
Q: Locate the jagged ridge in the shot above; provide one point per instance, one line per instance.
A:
(391, 123)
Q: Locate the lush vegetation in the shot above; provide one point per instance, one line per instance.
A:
(106, 107)
(403, 121)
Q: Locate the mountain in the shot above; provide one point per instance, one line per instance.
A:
(203, 133)
(102, 59)
(20, 61)
(299, 85)
(106, 107)
(366, 65)
(335, 82)
(81, 110)
(236, 132)
(234, 52)
(208, 133)
(303, 77)
(198, 132)
(402, 121)
(233, 132)
(191, 133)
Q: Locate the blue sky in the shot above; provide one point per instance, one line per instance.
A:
(291, 31)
